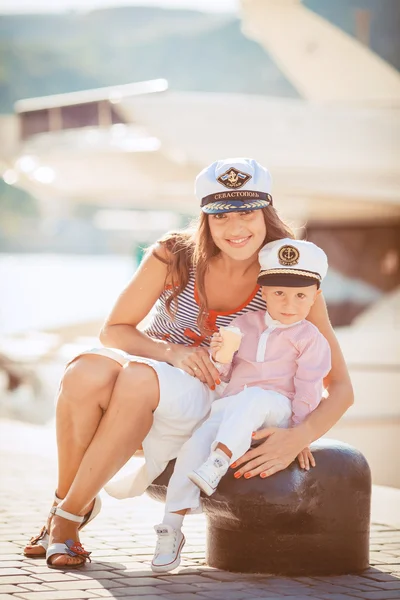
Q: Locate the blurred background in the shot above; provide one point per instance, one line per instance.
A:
(108, 111)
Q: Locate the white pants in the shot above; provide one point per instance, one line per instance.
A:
(231, 422)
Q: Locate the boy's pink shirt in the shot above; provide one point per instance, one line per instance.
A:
(295, 361)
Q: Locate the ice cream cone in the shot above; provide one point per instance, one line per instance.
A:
(232, 337)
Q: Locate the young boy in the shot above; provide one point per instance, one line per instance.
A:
(274, 379)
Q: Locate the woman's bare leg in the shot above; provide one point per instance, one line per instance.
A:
(123, 427)
(85, 395)
(85, 392)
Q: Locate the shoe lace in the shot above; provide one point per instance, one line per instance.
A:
(215, 467)
(166, 542)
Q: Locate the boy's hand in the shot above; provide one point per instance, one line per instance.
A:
(216, 344)
(306, 458)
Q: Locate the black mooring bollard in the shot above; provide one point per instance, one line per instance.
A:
(295, 522)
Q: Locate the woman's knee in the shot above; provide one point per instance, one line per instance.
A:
(139, 382)
(89, 375)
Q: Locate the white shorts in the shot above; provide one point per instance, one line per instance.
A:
(184, 404)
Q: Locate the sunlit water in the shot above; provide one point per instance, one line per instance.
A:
(44, 291)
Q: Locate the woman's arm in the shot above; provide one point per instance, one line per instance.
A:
(283, 445)
(338, 382)
(133, 305)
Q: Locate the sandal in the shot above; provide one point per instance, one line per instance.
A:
(42, 539)
(69, 547)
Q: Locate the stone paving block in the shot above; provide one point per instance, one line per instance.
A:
(86, 584)
(328, 588)
(11, 564)
(130, 566)
(51, 576)
(238, 595)
(382, 595)
(380, 585)
(122, 592)
(296, 597)
(220, 585)
(113, 560)
(388, 559)
(35, 587)
(301, 589)
(182, 578)
(8, 589)
(141, 574)
(13, 571)
(375, 575)
(96, 566)
(389, 569)
(41, 570)
(116, 593)
(56, 595)
(334, 597)
(176, 588)
(361, 587)
(33, 562)
(142, 580)
(390, 585)
(97, 575)
(268, 594)
(150, 597)
(135, 581)
(274, 597)
(187, 596)
(350, 594)
(17, 579)
(142, 590)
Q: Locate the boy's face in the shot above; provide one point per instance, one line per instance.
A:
(289, 304)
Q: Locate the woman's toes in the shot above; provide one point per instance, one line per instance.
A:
(34, 550)
(62, 560)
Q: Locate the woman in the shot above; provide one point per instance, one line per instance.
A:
(110, 402)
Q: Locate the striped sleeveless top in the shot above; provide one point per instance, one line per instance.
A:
(183, 328)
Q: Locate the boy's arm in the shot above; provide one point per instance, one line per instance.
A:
(225, 369)
(313, 364)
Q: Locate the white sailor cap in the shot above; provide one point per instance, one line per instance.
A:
(233, 184)
(292, 263)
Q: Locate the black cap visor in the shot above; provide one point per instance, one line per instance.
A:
(288, 280)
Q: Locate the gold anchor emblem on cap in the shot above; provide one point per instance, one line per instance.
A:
(233, 179)
(288, 256)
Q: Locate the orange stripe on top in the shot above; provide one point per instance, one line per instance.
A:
(217, 313)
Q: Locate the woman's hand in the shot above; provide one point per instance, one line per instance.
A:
(196, 362)
(216, 344)
(280, 448)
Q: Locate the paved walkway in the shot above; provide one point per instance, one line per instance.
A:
(122, 541)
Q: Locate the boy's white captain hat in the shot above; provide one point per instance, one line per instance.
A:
(233, 184)
(292, 263)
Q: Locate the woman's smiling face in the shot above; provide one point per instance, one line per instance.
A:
(238, 234)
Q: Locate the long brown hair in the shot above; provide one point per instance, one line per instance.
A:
(193, 248)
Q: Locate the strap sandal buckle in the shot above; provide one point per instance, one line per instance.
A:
(34, 540)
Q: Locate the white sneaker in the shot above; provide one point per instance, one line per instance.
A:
(208, 476)
(167, 555)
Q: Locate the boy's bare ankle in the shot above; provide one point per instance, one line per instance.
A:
(224, 449)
